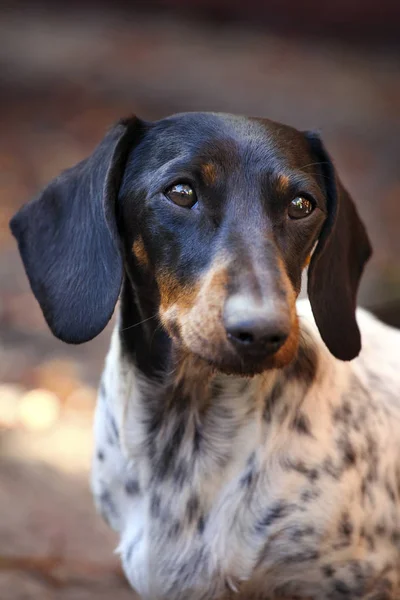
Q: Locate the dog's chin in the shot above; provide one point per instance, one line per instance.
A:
(246, 368)
(239, 366)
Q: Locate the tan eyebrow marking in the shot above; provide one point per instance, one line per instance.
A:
(283, 182)
(209, 172)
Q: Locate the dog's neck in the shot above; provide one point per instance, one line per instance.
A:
(142, 338)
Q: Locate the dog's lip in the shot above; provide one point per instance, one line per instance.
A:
(253, 352)
(233, 364)
(231, 361)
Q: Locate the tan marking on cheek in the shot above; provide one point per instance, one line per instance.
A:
(287, 353)
(307, 261)
(202, 325)
(176, 300)
(140, 253)
(209, 172)
(289, 349)
(192, 315)
(174, 293)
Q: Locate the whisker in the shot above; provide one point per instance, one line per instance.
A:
(318, 175)
(140, 323)
(324, 162)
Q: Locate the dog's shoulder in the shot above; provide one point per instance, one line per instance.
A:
(376, 370)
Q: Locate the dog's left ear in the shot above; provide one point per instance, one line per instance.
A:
(337, 263)
(69, 243)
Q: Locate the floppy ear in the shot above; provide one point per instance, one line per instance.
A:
(337, 263)
(69, 242)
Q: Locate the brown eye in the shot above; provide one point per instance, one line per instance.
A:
(300, 208)
(182, 195)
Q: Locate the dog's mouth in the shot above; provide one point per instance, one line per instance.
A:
(223, 355)
(236, 332)
(240, 367)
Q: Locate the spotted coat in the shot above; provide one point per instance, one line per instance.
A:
(281, 485)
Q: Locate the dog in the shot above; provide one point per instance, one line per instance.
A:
(245, 448)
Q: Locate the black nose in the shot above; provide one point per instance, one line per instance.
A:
(261, 328)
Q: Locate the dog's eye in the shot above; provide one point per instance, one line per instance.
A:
(182, 195)
(300, 208)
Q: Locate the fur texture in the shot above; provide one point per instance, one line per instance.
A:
(284, 485)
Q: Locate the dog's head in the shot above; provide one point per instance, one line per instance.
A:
(216, 216)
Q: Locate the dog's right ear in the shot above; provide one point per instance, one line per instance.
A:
(69, 243)
(337, 263)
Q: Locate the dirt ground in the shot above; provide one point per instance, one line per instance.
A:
(64, 79)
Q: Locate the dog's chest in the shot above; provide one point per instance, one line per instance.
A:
(233, 498)
(191, 494)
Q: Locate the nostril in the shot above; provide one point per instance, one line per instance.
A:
(257, 337)
(245, 337)
(255, 328)
(276, 339)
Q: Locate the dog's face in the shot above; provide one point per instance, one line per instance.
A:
(212, 218)
(222, 213)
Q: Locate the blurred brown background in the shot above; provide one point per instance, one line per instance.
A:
(67, 71)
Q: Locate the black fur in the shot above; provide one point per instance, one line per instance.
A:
(337, 264)
(69, 241)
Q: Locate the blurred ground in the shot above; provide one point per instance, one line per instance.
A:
(64, 78)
